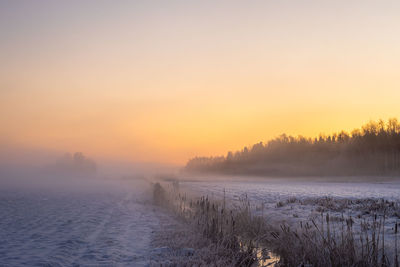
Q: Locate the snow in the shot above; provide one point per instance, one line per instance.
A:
(113, 223)
(103, 225)
(272, 190)
(291, 202)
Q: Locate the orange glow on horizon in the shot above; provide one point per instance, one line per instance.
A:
(167, 83)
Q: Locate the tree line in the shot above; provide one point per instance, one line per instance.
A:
(373, 149)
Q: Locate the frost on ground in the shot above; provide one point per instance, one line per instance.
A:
(178, 243)
(107, 224)
(290, 201)
(350, 213)
(104, 224)
(96, 223)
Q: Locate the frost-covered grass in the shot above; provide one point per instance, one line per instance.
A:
(318, 230)
(370, 225)
(180, 244)
(208, 227)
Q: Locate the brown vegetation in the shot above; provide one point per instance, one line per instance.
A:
(318, 242)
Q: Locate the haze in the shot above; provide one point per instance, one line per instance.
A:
(156, 81)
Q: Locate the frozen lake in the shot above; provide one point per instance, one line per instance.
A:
(105, 225)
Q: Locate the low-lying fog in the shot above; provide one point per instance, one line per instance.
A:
(69, 209)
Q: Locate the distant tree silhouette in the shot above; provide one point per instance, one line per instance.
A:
(77, 163)
(372, 150)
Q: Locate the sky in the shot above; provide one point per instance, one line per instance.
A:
(164, 81)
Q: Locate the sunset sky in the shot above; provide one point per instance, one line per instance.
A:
(164, 81)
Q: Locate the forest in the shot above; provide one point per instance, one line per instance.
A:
(372, 150)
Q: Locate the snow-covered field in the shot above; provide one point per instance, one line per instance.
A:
(273, 190)
(105, 224)
(292, 202)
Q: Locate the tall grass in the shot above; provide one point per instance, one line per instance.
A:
(212, 219)
(327, 241)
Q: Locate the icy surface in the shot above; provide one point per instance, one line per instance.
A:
(107, 226)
